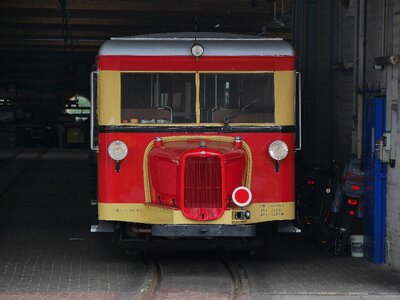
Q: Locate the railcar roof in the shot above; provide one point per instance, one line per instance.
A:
(179, 44)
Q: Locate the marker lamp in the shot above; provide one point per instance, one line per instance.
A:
(197, 50)
(118, 150)
(278, 150)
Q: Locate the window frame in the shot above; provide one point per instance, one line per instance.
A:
(233, 123)
(197, 75)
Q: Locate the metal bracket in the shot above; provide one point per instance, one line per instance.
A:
(103, 226)
(287, 227)
(383, 147)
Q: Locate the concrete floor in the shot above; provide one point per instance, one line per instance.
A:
(47, 251)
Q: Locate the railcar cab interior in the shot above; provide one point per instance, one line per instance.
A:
(165, 98)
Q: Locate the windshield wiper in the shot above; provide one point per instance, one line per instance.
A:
(228, 119)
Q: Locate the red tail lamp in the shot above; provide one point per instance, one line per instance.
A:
(355, 187)
(242, 196)
(352, 201)
(352, 212)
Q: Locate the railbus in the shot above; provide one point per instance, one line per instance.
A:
(194, 133)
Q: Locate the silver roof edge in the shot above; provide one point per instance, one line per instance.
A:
(179, 44)
(194, 36)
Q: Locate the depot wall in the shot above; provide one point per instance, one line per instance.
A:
(337, 59)
(383, 39)
(324, 43)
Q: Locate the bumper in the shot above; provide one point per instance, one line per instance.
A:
(204, 230)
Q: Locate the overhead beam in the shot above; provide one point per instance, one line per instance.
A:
(38, 18)
(47, 45)
(132, 18)
(149, 5)
(179, 23)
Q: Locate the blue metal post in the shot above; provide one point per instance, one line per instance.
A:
(375, 197)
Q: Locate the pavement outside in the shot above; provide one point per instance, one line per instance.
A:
(47, 251)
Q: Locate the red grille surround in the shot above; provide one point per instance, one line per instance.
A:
(196, 177)
(203, 185)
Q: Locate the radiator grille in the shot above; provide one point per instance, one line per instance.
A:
(203, 187)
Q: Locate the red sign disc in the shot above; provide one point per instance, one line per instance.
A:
(241, 196)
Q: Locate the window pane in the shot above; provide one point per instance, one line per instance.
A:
(158, 98)
(78, 106)
(223, 95)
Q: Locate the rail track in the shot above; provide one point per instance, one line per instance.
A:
(240, 287)
(152, 279)
(239, 282)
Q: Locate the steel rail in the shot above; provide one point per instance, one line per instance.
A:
(240, 287)
(152, 279)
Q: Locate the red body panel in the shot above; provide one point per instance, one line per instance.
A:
(191, 63)
(127, 186)
(196, 178)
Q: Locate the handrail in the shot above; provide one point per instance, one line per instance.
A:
(299, 110)
(92, 111)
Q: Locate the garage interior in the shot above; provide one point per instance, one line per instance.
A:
(348, 54)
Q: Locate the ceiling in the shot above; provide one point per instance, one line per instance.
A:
(51, 45)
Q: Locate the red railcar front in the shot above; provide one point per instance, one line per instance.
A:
(196, 130)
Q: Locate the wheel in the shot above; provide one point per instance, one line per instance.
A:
(342, 232)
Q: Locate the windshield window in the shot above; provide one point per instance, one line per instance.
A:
(223, 95)
(159, 98)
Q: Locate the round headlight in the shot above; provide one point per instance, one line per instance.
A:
(197, 50)
(278, 150)
(118, 150)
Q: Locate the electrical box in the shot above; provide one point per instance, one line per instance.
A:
(383, 147)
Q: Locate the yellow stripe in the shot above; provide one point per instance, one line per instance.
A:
(152, 214)
(236, 72)
(195, 125)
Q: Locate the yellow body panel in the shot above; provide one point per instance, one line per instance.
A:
(153, 214)
(284, 98)
(109, 106)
